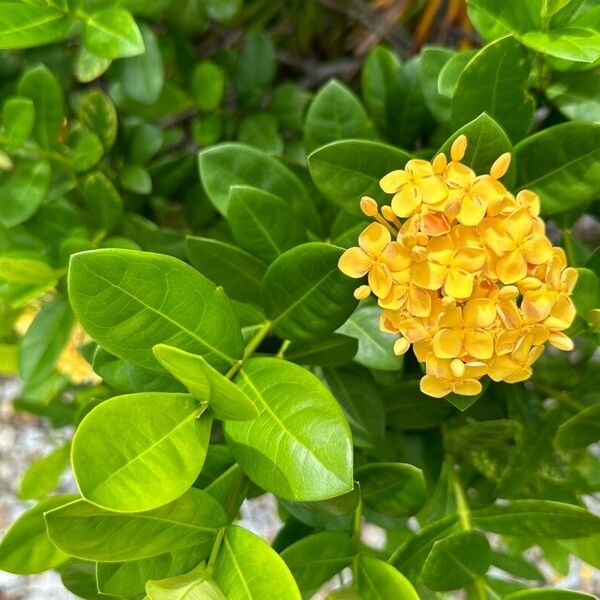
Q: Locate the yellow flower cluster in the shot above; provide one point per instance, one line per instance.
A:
(464, 272)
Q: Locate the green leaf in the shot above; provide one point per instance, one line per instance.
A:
(247, 568)
(378, 580)
(261, 131)
(581, 430)
(300, 449)
(26, 26)
(495, 81)
(206, 384)
(330, 351)
(288, 106)
(26, 269)
(357, 392)
(88, 532)
(493, 19)
(26, 548)
(208, 85)
(42, 476)
(315, 559)
(586, 294)
(98, 114)
(18, 116)
(193, 585)
(112, 33)
(335, 114)
(238, 272)
(456, 560)
(486, 142)
(347, 170)
(135, 179)
(88, 66)
(433, 60)
(23, 191)
(548, 594)
(516, 565)
(451, 71)
(577, 44)
(262, 223)
(392, 489)
(156, 465)
(128, 579)
(375, 347)
(222, 10)
(142, 76)
(305, 295)
(255, 68)
(379, 69)
(160, 298)
(44, 341)
(145, 141)
(44, 89)
(102, 201)
(577, 95)
(561, 165)
(87, 152)
(537, 518)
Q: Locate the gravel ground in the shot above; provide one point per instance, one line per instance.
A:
(23, 438)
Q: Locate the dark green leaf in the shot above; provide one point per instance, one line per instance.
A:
(451, 71)
(433, 60)
(577, 95)
(330, 351)
(255, 68)
(581, 430)
(261, 131)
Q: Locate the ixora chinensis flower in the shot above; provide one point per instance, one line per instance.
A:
(463, 271)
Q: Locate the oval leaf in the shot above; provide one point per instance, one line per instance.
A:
(378, 580)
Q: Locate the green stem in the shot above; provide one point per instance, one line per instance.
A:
(357, 517)
(462, 508)
(562, 396)
(283, 348)
(250, 348)
(567, 237)
(215, 549)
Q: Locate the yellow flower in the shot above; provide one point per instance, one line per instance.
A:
(445, 376)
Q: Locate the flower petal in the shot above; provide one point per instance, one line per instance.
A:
(429, 276)
(458, 284)
(406, 201)
(380, 280)
(374, 238)
(437, 388)
(479, 312)
(511, 267)
(393, 181)
(479, 343)
(354, 263)
(448, 343)
(396, 256)
(537, 249)
(467, 387)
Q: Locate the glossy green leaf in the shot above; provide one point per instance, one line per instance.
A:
(300, 449)
(537, 518)
(305, 295)
(160, 298)
(156, 465)
(206, 384)
(586, 294)
(357, 392)
(451, 71)
(102, 200)
(486, 142)
(495, 82)
(344, 171)
(238, 272)
(315, 559)
(23, 191)
(91, 533)
(247, 568)
(26, 548)
(379, 69)
(142, 76)
(98, 114)
(262, 223)
(335, 114)
(578, 44)
(112, 33)
(44, 341)
(18, 116)
(548, 594)
(493, 19)
(330, 351)
(378, 580)
(375, 347)
(561, 165)
(43, 88)
(456, 560)
(581, 430)
(576, 95)
(433, 60)
(26, 26)
(195, 585)
(392, 489)
(43, 475)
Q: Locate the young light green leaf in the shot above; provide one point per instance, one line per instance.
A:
(88, 66)
(335, 114)
(315, 559)
(392, 489)
(456, 560)
(160, 298)
(23, 191)
(346, 170)
(27, 26)
(561, 164)
(495, 81)
(262, 223)
(42, 476)
(581, 430)
(238, 272)
(548, 594)
(26, 547)
(27, 269)
(156, 465)
(112, 33)
(305, 294)
(577, 44)
(378, 580)
(43, 88)
(88, 532)
(98, 114)
(206, 384)
(18, 117)
(300, 449)
(195, 585)
(247, 568)
(493, 19)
